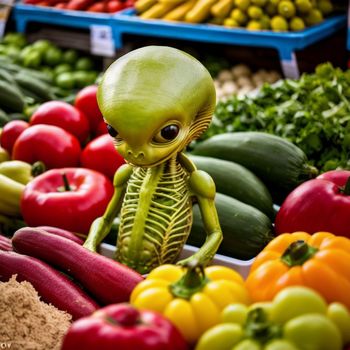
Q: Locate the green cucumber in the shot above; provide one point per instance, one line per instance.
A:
(6, 76)
(33, 96)
(11, 98)
(280, 164)
(18, 116)
(37, 86)
(246, 230)
(44, 77)
(236, 181)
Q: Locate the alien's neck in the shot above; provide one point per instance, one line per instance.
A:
(170, 166)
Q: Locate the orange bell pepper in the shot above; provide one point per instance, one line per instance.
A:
(320, 261)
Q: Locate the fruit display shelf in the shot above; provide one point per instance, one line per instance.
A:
(286, 43)
(126, 22)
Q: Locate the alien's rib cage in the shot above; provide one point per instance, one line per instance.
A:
(168, 218)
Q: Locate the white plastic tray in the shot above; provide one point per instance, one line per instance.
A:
(241, 266)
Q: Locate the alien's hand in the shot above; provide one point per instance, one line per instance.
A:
(96, 234)
(185, 262)
(90, 246)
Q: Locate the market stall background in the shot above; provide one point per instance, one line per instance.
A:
(285, 133)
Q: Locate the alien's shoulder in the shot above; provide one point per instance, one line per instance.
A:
(122, 175)
(202, 184)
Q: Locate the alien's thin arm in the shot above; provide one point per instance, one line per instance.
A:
(203, 188)
(102, 225)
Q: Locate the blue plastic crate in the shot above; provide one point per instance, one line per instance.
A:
(286, 43)
(24, 14)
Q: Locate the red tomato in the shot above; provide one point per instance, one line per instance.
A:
(64, 115)
(114, 6)
(52, 145)
(86, 101)
(10, 133)
(129, 3)
(79, 5)
(61, 5)
(101, 129)
(101, 155)
(97, 7)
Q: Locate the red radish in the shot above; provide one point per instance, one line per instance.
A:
(106, 279)
(52, 286)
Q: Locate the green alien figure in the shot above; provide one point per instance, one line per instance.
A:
(155, 101)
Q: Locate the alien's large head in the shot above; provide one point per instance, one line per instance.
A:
(155, 100)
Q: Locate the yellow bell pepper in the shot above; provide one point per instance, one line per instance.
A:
(191, 297)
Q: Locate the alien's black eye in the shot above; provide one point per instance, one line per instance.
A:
(169, 132)
(112, 131)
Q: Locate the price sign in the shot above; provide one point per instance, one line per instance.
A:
(101, 40)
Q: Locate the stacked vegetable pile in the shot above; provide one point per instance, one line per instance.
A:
(284, 303)
(240, 80)
(32, 74)
(312, 112)
(109, 6)
(276, 15)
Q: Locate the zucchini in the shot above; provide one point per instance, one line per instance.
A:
(280, 164)
(236, 181)
(11, 98)
(246, 230)
(37, 86)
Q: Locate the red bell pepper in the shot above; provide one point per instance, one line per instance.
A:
(322, 204)
(52, 145)
(101, 155)
(63, 115)
(120, 326)
(68, 198)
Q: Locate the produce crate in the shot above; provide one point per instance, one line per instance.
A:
(286, 43)
(99, 24)
(241, 266)
(24, 14)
